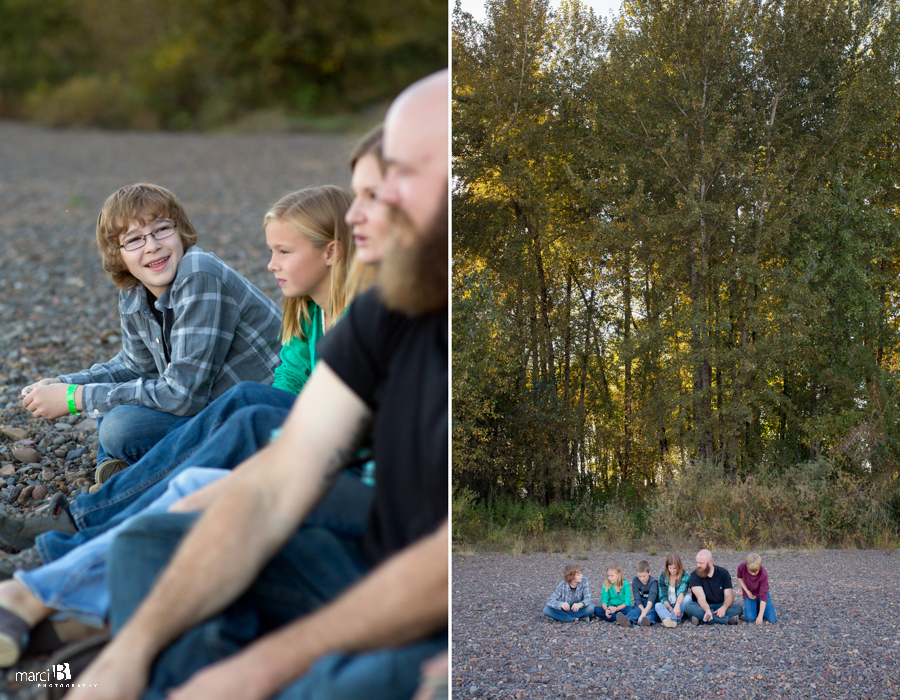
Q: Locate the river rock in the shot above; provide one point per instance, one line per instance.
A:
(15, 434)
(25, 495)
(27, 455)
(88, 425)
(39, 493)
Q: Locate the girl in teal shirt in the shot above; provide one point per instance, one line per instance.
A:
(616, 596)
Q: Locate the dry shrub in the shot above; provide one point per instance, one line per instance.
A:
(815, 503)
(91, 101)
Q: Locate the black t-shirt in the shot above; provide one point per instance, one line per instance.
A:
(713, 586)
(398, 365)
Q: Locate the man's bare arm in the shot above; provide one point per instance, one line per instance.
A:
(700, 598)
(383, 614)
(317, 438)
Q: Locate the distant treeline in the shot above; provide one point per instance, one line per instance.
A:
(677, 243)
(175, 65)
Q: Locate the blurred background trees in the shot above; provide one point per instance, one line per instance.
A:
(175, 65)
(676, 248)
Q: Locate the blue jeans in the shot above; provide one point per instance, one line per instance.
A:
(692, 609)
(601, 613)
(75, 585)
(634, 615)
(225, 433)
(751, 610)
(313, 568)
(568, 615)
(130, 432)
(662, 612)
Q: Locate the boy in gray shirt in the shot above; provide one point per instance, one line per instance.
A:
(644, 592)
(572, 598)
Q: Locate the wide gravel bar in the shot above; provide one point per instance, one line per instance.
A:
(836, 635)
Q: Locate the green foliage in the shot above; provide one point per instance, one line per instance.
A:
(203, 64)
(676, 262)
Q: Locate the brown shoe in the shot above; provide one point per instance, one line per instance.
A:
(13, 638)
(48, 636)
(19, 532)
(106, 469)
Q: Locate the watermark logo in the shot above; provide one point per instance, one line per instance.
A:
(53, 677)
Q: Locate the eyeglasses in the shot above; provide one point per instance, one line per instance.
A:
(165, 230)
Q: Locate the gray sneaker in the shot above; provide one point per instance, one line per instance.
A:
(734, 620)
(19, 531)
(26, 560)
(106, 470)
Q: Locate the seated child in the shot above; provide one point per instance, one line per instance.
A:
(673, 591)
(616, 595)
(644, 594)
(191, 327)
(754, 582)
(572, 598)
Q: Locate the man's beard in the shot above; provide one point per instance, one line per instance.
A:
(705, 571)
(413, 275)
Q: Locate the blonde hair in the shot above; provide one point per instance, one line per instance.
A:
(140, 203)
(570, 571)
(620, 580)
(317, 214)
(754, 563)
(362, 276)
(679, 571)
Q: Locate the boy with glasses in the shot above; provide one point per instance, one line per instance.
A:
(191, 329)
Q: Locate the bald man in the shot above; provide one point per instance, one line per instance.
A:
(245, 605)
(713, 594)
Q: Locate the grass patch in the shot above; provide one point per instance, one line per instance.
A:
(812, 506)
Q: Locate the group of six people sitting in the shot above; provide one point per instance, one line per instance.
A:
(704, 596)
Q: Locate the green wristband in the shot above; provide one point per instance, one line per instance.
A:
(70, 395)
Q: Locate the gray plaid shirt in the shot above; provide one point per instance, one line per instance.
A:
(224, 331)
(564, 593)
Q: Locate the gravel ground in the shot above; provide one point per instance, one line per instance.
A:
(836, 635)
(58, 310)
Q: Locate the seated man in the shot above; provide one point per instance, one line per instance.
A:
(713, 593)
(232, 576)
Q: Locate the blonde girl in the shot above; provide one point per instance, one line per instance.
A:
(616, 595)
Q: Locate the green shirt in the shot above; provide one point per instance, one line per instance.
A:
(611, 598)
(298, 357)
